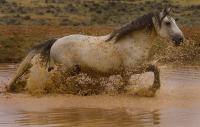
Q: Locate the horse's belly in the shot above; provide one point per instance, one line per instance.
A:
(98, 56)
(101, 63)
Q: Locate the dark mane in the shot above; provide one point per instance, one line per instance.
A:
(143, 22)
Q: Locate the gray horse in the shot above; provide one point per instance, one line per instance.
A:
(118, 52)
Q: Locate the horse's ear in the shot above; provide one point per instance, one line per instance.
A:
(165, 12)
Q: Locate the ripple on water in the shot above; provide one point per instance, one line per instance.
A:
(90, 117)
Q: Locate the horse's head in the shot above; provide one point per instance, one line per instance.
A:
(166, 27)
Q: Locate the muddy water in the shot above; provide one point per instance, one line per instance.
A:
(176, 104)
(6, 70)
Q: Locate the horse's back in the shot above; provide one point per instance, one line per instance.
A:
(86, 51)
(81, 38)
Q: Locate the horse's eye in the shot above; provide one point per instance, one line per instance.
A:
(168, 23)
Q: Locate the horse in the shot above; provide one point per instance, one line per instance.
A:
(121, 50)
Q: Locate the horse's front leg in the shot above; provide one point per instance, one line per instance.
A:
(156, 71)
(156, 84)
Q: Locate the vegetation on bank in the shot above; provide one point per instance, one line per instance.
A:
(91, 12)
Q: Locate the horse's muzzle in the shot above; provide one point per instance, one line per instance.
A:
(177, 40)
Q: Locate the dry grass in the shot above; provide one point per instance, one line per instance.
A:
(91, 12)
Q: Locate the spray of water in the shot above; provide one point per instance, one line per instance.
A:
(40, 82)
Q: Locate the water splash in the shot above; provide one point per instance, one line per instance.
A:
(40, 82)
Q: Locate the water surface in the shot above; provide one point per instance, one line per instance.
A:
(176, 104)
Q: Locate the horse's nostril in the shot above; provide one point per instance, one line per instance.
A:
(180, 39)
(177, 40)
(177, 43)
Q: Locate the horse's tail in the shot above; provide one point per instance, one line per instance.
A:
(43, 49)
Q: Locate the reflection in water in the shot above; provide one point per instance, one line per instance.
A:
(89, 117)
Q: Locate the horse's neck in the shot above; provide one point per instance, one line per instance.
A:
(135, 47)
(138, 38)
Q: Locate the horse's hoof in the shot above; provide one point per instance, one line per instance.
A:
(145, 92)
